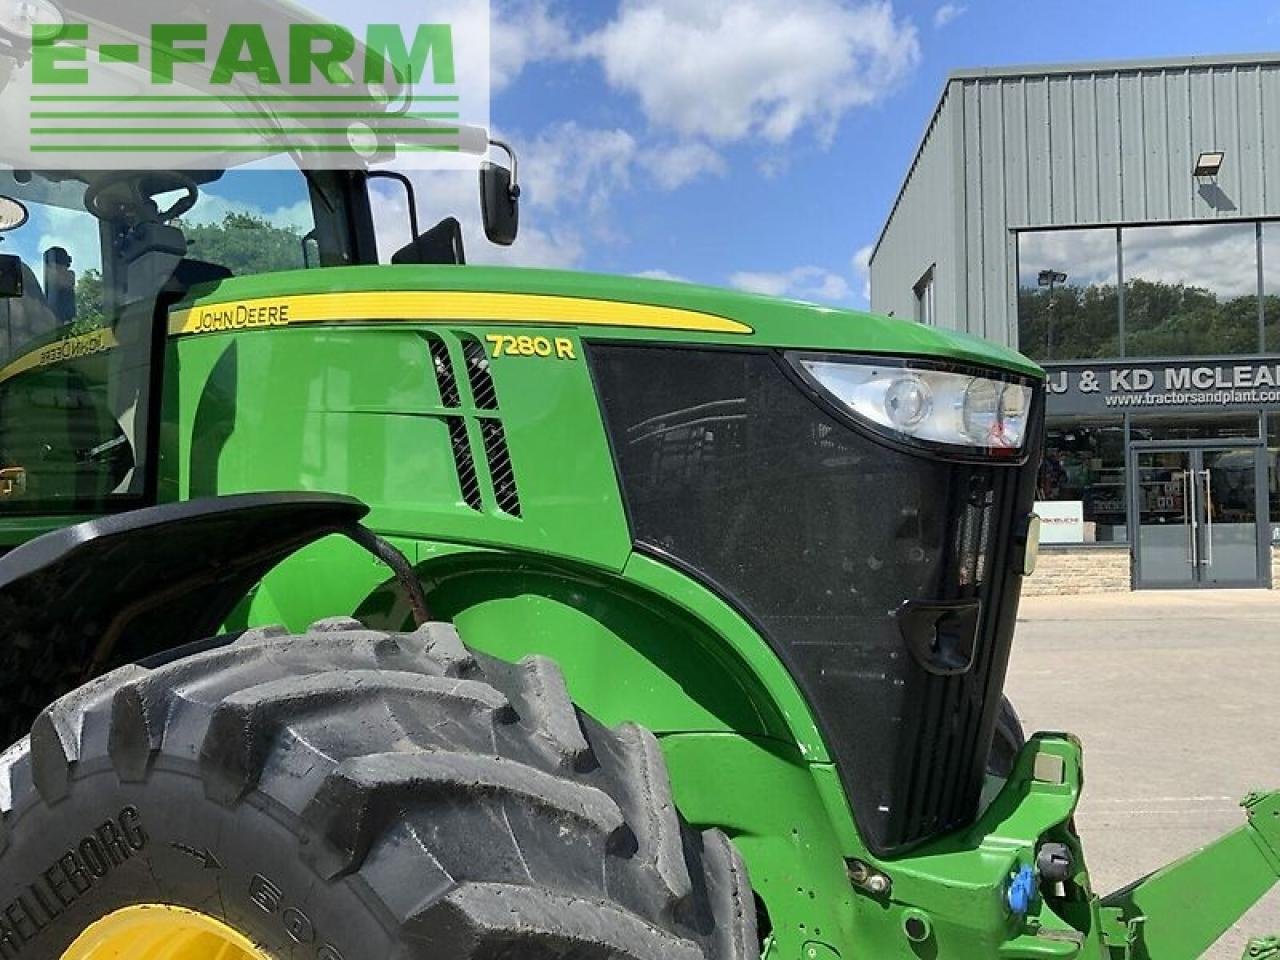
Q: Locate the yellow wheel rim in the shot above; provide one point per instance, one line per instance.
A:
(160, 932)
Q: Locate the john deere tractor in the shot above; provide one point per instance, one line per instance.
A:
(360, 604)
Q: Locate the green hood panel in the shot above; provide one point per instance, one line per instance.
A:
(776, 323)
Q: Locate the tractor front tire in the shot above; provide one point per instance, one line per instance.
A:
(347, 794)
(1007, 742)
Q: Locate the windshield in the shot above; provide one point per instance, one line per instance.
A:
(98, 254)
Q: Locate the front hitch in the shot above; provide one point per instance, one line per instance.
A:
(1182, 909)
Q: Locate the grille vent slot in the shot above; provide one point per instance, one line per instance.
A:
(443, 366)
(477, 361)
(973, 538)
(462, 460)
(501, 471)
(945, 779)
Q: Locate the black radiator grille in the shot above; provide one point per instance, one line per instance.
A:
(821, 532)
(446, 380)
(951, 728)
(476, 433)
(500, 468)
(465, 463)
(483, 391)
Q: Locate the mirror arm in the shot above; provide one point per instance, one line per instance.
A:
(306, 251)
(405, 182)
(515, 165)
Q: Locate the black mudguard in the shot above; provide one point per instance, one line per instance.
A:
(122, 588)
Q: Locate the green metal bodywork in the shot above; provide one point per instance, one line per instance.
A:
(352, 406)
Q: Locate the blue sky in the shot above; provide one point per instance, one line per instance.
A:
(759, 143)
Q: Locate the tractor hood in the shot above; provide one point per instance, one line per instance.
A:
(689, 313)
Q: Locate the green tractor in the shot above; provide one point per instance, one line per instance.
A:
(623, 619)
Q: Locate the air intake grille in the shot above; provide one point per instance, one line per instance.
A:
(482, 389)
(500, 469)
(465, 463)
(443, 366)
(943, 780)
(476, 435)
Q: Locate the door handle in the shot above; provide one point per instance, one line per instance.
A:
(1188, 514)
(1208, 514)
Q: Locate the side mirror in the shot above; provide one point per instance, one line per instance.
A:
(10, 276)
(441, 244)
(500, 201)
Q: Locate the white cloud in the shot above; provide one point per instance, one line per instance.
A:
(538, 247)
(802, 283)
(730, 70)
(1087, 256)
(676, 165)
(947, 13)
(774, 165)
(73, 230)
(569, 177)
(1217, 257)
(524, 33)
(662, 275)
(568, 167)
(862, 268)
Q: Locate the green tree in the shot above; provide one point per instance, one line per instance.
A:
(245, 243)
(1161, 319)
(89, 310)
(242, 242)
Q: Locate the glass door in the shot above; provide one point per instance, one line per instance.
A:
(1197, 518)
(1166, 535)
(1229, 517)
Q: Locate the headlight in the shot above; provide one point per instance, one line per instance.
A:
(18, 17)
(917, 402)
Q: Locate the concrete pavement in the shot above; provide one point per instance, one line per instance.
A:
(1174, 696)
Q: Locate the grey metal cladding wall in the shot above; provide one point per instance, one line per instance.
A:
(1087, 147)
(922, 231)
(1119, 146)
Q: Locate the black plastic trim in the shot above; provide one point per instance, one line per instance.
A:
(975, 701)
(941, 637)
(193, 560)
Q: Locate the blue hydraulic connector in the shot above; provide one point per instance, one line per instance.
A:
(1022, 891)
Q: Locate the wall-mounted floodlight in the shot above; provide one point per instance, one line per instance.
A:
(1209, 163)
(1051, 278)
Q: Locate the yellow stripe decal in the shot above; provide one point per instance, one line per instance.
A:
(72, 348)
(419, 306)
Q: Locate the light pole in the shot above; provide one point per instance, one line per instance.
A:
(1050, 279)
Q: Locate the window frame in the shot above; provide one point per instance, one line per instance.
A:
(1260, 225)
(925, 296)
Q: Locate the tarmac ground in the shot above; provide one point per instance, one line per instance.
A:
(1174, 695)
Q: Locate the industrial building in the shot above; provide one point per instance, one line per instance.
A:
(1119, 223)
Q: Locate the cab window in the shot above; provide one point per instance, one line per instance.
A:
(101, 255)
(71, 382)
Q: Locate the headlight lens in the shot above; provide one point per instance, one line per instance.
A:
(18, 17)
(937, 406)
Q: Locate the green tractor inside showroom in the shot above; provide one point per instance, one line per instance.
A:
(622, 619)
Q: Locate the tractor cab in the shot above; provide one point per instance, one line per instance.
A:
(94, 253)
(691, 612)
(91, 261)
